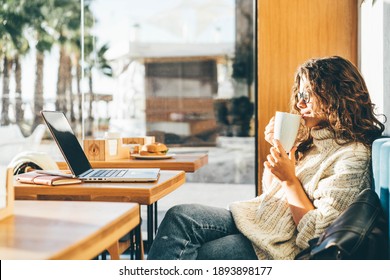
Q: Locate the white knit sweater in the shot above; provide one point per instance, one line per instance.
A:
(331, 175)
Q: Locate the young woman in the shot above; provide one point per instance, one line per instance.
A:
(303, 190)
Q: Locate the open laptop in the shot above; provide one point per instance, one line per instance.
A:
(77, 160)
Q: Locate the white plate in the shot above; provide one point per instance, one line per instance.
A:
(153, 157)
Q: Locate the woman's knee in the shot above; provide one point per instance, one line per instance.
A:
(178, 212)
(183, 210)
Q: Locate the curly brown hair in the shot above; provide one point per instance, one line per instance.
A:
(343, 97)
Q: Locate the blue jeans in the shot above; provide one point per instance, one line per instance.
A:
(193, 231)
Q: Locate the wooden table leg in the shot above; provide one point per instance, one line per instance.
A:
(113, 250)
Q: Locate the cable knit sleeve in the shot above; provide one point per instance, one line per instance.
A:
(343, 175)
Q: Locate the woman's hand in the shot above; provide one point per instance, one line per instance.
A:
(269, 131)
(281, 164)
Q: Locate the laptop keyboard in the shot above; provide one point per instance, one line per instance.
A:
(109, 173)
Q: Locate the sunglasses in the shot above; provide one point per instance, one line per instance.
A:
(305, 96)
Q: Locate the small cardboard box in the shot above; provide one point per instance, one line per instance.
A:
(105, 149)
(7, 185)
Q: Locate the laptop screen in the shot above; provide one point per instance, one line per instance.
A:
(67, 142)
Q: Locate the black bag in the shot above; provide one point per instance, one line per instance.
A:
(359, 233)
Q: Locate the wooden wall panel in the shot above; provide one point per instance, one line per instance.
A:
(289, 33)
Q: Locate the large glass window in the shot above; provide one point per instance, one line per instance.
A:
(179, 70)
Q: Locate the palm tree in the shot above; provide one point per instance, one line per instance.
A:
(68, 28)
(95, 60)
(12, 43)
(5, 97)
(19, 110)
(39, 11)
(67, 24)
(23, 48)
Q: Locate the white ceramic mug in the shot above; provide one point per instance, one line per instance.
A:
(286, 129)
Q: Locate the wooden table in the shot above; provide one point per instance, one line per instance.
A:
(143, 193)
(185, 162)
(65, 229)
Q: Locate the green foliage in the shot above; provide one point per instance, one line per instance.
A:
(95, 58)
(12, 22)
(41, 24)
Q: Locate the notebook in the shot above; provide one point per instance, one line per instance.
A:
(78, 162)
(39, 178)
